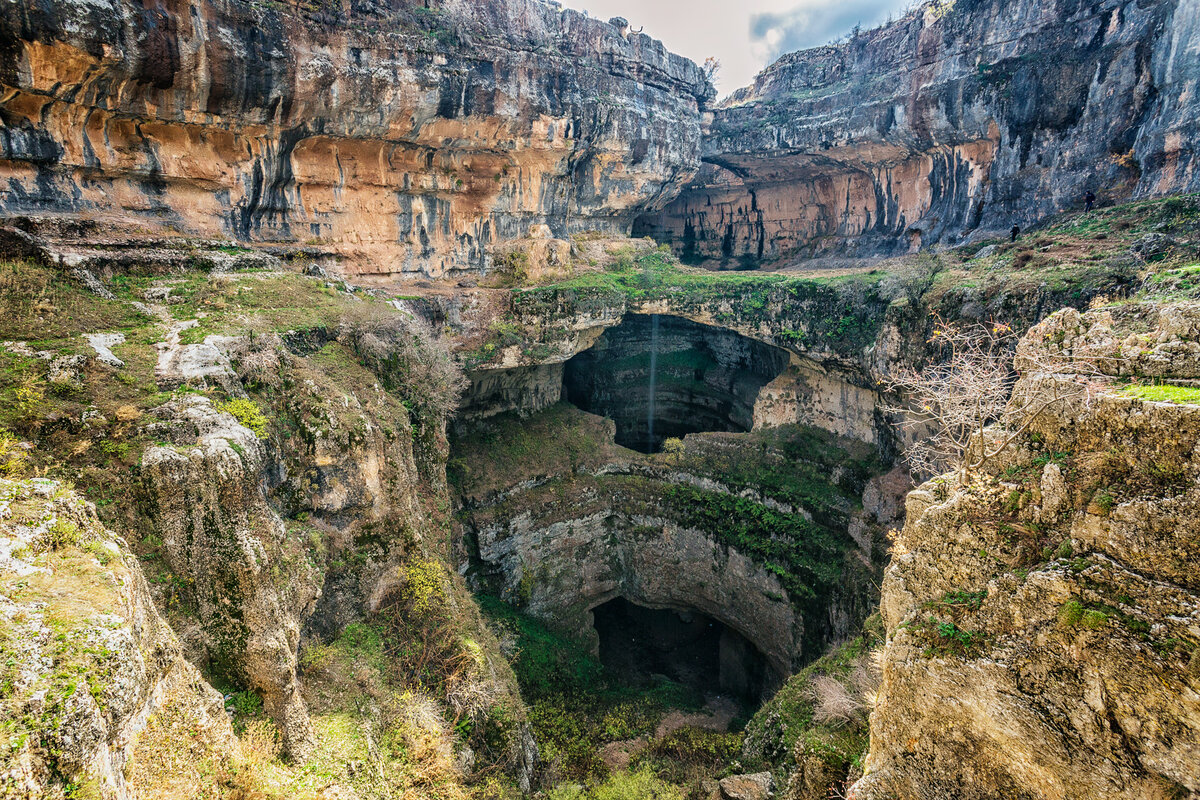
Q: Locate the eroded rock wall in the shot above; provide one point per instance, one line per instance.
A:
(93, 675)
(759, 531)
(408, 137)
(959, 119)
(1044, 617)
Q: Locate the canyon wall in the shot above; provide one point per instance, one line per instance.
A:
(957, 121)
(405, 137)
(1043, 616)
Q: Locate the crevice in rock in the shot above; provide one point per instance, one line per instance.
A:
(660, 377)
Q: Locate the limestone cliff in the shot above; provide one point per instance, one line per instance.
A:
(408, 137)
(1043, 617)
(93, 682)
(961, 117)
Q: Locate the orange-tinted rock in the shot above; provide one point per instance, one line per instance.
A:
(409, 139)
(946, 125)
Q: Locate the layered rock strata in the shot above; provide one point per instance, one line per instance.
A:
(960, 119)
(408, 137)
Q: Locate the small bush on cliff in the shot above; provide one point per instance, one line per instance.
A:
(14, 461)
(411, 360)
(248, 414)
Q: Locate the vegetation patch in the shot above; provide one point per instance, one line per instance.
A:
(1163, 393)
(823, 707)
(575, 706)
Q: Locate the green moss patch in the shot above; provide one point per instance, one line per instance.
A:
(1163, 393)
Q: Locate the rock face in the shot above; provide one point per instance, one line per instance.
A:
(251, 582)
(581, 522)
(406, 136)
(90, 670)
(959, 119)
(1044, 617)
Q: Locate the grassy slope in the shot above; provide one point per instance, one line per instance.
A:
(88, 430)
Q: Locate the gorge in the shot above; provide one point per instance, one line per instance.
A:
(453, 399)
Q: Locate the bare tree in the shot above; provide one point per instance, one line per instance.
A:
(967, 387)
(712, 66)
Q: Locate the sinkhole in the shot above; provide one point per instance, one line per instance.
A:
(659, 377)
(638, 644)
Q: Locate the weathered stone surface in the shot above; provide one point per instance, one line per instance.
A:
(210, 504)
(759, 786)
(88, 662)
(949, 123)
(409, 137)
(566, 568)
(1043, 618)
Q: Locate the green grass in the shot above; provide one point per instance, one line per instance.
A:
(49, 309)
(1164, 393)
(575, 706)
(843, 313)
(789, 716)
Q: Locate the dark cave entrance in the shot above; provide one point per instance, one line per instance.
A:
(691, 648)
(661, 377)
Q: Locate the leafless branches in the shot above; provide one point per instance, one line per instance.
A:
(967, 388)
(409, 357)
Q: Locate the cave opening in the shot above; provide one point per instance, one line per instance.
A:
(638, 644)
(660, 377)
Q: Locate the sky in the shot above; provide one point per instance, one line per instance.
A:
(745, 35)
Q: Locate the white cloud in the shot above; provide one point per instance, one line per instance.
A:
(815, 22)
(744, 34)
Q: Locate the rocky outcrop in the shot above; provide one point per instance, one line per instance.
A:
(958, 120)
(251, 582)
(729, 357)
(408, 137)
(1044, 616)
(90, 671)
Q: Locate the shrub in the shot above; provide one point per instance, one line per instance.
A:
(423, 586)
(673, 447)
(14, 460)
(514, 266)
(1070, 614)
(640, 785)
(63, 533)
(409, 358)
(248, 414)
(31, 395)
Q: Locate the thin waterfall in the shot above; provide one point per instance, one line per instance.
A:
(650, 409)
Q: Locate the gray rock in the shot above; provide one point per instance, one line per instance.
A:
(92, 283)
(102, 344)
(759, 786)
(1151, 246)
(66, 370)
